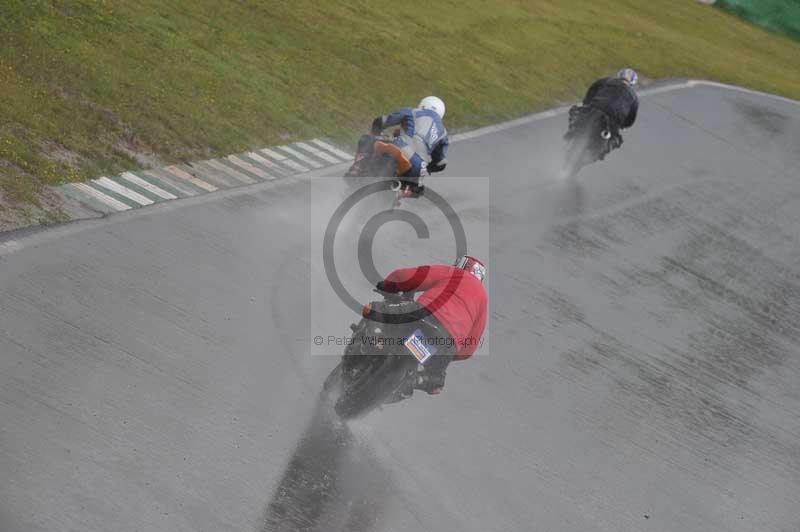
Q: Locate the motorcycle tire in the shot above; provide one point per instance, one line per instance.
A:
(586, 141)
(385, 166)
(371, 388)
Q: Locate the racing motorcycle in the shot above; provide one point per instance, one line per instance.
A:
(377, 156)
(385, 357)
(590, 137)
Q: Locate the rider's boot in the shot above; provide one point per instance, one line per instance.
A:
(431, 379)
(411, 182)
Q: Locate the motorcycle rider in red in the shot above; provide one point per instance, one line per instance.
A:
(457, 302)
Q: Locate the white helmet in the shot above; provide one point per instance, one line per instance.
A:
(434, 104)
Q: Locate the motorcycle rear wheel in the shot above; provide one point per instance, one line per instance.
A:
(371, 388)
(385, 166)
(586, 139)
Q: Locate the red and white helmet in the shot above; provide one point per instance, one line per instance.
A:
(472, 265)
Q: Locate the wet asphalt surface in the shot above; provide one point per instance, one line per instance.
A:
(642, 372)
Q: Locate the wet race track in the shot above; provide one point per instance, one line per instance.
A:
(642, 370)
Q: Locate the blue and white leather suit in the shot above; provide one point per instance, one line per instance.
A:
(423, 139)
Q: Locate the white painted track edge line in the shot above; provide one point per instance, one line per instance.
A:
(297, 167)
(247, 167)
(285, 161)
(316, 152)
(124, 191)
(332, 149)
(487, 130)
(153, 189)
(240, 167)
(220, 167)
(200, 198)
(186, 176)
(543, 115)
(263, 161)
(162, 176)
(301, 156)
(99, 196)
(719, 85)
(272, 154)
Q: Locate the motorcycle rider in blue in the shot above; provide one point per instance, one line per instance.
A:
(422, 140)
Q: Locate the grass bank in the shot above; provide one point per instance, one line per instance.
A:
(89, 87)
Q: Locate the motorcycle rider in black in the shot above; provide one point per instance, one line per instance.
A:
(616, 97)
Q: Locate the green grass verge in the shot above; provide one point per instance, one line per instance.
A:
(91, 86)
